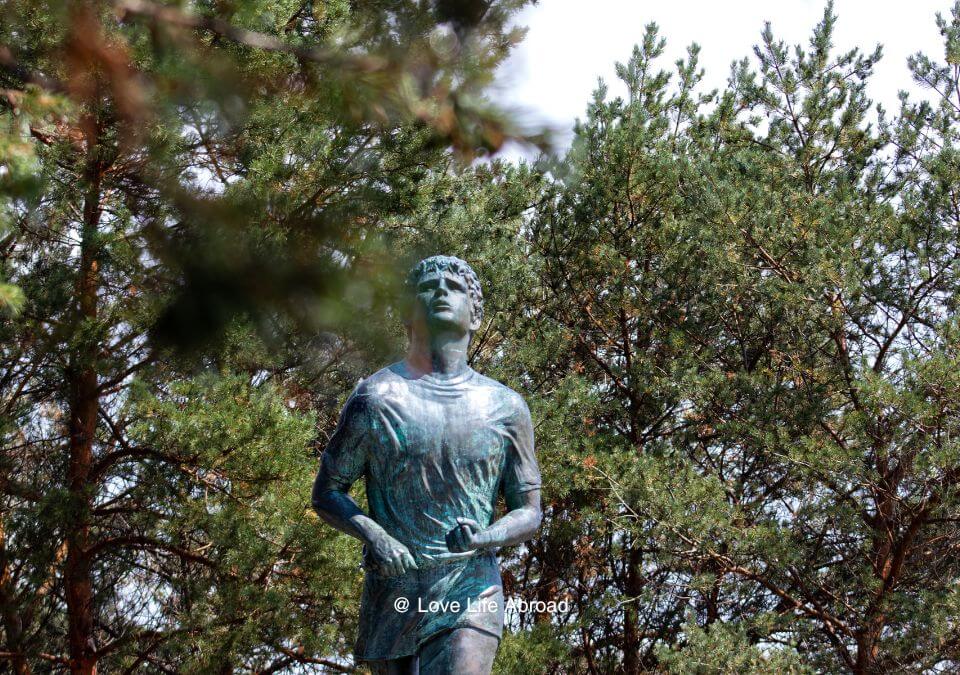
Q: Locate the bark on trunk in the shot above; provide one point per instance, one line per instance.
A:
(84, 404)
(631, 630)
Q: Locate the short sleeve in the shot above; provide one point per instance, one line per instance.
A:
(521, 473)
(345, 456)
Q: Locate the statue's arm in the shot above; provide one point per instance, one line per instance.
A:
(517, 525)
(342, 463)
(521, 491)
(333, 503)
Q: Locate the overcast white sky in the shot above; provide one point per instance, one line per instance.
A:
(570, 43)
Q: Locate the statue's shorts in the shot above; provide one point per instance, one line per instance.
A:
(399, 614)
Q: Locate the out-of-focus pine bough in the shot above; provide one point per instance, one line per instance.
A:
(191, 115)
(212, 177)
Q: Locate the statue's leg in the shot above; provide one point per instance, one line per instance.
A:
(462, 651)
(406, 665)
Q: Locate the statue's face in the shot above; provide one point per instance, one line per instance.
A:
(444, 302)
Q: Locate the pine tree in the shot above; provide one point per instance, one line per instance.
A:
(192, 206)
(749, 390)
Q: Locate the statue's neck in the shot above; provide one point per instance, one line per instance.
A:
(442, 353)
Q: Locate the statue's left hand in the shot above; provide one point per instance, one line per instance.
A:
(468, 535)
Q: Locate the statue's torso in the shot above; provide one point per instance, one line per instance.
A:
(436, 451)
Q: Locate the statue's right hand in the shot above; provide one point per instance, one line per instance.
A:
(389, 557)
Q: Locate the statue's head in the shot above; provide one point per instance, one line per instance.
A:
(445, 294)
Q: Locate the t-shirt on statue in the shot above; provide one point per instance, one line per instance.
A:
(431, 449)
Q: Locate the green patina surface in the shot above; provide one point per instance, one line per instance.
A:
(431, 450)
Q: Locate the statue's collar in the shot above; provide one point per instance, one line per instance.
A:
(436, 379)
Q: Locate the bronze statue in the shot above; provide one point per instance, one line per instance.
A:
(436, 442)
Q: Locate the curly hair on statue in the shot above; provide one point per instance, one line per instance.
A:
(441, 263)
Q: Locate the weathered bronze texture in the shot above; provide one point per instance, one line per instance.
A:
(435, 443)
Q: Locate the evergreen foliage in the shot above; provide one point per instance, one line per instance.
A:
(193, 212)
(750, 295)
(733, 314)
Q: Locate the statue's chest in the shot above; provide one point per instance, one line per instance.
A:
(457, 431)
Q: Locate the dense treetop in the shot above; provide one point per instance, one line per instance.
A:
(733, 314)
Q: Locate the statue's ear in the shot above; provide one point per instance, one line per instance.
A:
(476, 320)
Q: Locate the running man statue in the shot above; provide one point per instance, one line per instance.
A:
(435, 442)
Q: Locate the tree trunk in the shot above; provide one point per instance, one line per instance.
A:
(631, 630)
(84, 404)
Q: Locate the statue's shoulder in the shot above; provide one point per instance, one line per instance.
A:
(501, 391)
(380, 385)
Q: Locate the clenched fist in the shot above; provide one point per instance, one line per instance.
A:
(468, 535)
